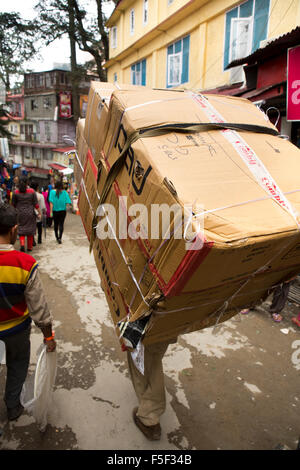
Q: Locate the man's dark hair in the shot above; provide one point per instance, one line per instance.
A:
(34, 185)
(8, 218)
(23, 184)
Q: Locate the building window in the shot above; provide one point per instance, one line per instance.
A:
(33, 104)
(115, 77)
(47, 128)
(15, 109)
(114, 37)
(13, 128)
(48, 154)
(27, 152)
(246, 26)
(170, 2)
(138, 73)
(12, 149)
(30, 81)
(39, 81)
(145, 12)
(36, 153)
(47, 103)
(178, 62)
(132, 21)
(47, 80)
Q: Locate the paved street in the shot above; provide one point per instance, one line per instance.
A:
(237, 389)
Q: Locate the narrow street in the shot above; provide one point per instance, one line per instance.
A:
(237, 389)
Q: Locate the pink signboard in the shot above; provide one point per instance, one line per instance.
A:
(293, 84)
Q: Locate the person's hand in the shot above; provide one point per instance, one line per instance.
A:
(51, 345)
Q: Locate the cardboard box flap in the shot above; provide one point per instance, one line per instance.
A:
(149, 108)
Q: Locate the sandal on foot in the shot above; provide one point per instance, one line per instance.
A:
(277, 317)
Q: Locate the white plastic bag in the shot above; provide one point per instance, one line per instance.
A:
(138, 357)
(44, 380)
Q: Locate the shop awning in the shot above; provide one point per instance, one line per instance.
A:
(41, 171)
(57, 166)
(265, 93)
(67, 171)
(37, 172)
(63, 149)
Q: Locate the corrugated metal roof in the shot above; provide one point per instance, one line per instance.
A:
(270, 50)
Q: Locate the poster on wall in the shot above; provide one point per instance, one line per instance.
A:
(65, 104)
(293, 84)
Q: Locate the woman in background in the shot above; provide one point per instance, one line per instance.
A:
(25, 201)
(42, 205)
(59, 198)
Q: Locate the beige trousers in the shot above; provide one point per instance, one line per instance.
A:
(150, 387)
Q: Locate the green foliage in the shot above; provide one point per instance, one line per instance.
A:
(17, 45)
(4, 120)
(89, 32)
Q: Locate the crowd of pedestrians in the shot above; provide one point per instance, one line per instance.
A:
(38, 208)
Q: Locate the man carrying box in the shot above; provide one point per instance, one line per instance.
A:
(22, 299)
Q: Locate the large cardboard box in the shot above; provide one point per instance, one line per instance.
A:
(242, 185)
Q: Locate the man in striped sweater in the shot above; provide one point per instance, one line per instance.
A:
(22, 300)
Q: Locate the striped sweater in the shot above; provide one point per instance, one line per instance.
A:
(16, 269)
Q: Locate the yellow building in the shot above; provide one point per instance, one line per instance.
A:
(189, 43)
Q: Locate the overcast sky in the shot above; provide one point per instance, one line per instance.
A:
(58, 51)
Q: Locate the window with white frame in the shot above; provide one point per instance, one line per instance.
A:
(132, 21)
(246, 25)
(178, 62)
(145, 12)
(138, 73)
(114, 37)
(174, 69)
(240, 38)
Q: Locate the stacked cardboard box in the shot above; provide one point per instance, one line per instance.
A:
(215, 159)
